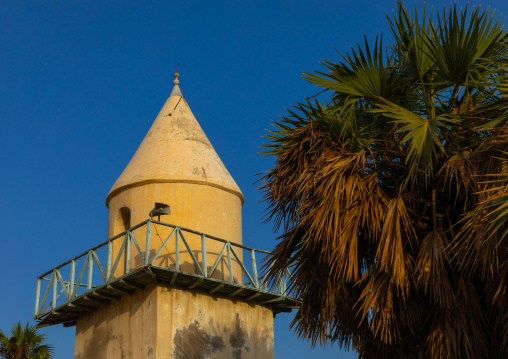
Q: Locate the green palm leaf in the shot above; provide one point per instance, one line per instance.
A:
(422, 135)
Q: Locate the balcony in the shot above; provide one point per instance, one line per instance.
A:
(156, 252)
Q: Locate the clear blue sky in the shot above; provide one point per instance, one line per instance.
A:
(82, 81)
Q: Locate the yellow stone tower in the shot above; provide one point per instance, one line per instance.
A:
(176, 164)
(179, 287)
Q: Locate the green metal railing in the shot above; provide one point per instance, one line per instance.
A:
(86, 272)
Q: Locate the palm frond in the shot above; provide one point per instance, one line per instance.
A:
(397, 230)
(466, 47)
(482, 243)
(459, 175)
(431, 269)
(362, 74)
(422, 136)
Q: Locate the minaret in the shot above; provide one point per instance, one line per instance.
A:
(174, 315)
(176, 164)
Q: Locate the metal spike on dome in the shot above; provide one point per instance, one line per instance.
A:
(176, 90)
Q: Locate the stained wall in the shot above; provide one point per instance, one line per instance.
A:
(164, 322)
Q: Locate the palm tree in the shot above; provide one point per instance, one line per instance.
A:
(24, 343)
(392, 193)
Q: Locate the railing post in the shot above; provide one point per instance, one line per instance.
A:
(203, 255)
(148, 237)
(46, 293)
(108, 261)
(254, 268)
(90, 271)
(53, 303)
(283, 284)
(229, 263)
(37, 297)
(71, 282)
(128, 252)
(177, 250)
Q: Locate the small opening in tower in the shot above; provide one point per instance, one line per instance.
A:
(123, 220)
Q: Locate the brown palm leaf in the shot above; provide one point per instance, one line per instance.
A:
(431, 268)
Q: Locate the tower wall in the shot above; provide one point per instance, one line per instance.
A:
(199, 207)
(168, 323)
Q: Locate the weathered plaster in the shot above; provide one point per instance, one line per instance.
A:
(169, 323)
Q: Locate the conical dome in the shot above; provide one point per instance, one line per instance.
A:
(175, 149)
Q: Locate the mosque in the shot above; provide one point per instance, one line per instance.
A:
(173, 280)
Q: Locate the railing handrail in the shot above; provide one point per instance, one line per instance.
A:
(139, 225)
(210, 236)
(129, 245)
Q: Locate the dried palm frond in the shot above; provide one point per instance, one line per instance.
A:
(483, 240)
(431, 269)
(459, 332)
(390, 250)
(459, 173)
